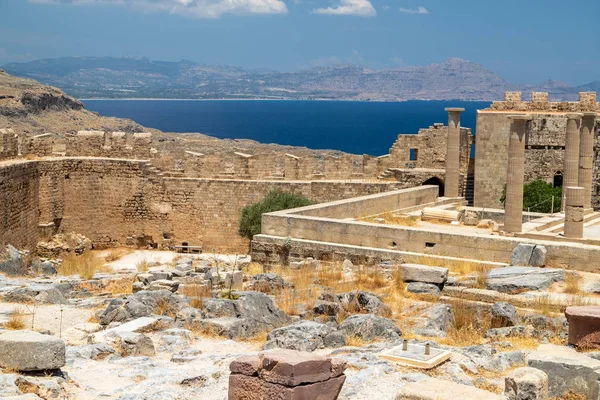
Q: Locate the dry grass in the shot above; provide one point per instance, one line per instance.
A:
(481, 274)
(572, 283)
(470, 324)
(196, 293)
(164, 307)
(114, 286)
(370, 278)
(16, 320)
(116, 254)
(455, 265)
(355, 341)
(143, 265)
(393, 219)
(85, 265)
(545, 306)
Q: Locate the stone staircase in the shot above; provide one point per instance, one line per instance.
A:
(387, 174)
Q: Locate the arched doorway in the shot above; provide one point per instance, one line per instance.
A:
(437, 182)
(557, 181)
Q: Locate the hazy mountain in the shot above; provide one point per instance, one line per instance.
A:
(109, 77)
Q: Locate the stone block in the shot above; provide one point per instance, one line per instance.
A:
(243, 387)
(438, 389)
(246, 365)
(584, 325)
(567, 370)
(503, 315)
(423, 273)
(31, 351)
(526, 384)
(292, 368)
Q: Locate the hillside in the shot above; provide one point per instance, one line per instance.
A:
(106, 77)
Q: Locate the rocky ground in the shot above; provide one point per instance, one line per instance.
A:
(157, 325)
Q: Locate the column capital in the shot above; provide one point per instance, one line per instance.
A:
(575, 116)
(454, 109)
(520, 117)
(590, 114)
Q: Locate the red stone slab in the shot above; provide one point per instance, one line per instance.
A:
(584, 322)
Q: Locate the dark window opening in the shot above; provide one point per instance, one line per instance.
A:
(429, 244)
(558, 179)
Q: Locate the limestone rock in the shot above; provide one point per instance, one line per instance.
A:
(567, 370)
(63, 243)
(423, 288)
(137, 325)
(266, 283)
(526, 384)
(370, 327)
(434, 321)
(323, 307)
(503, 315)
(40, 294)
(423, 273)
(302, 336)
(529, 255)
(31, 351)
(512, 279)
(133, 344)
(141, 304)
(11, 261)
(363, 302)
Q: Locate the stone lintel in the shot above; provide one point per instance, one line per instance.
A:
(590, 114)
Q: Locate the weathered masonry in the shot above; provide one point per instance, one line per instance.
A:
(544, 145)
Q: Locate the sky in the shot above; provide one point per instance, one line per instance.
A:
(524, 41)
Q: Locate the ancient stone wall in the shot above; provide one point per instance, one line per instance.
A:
(125, 202)
(544, 145)
(19, 203)
(109, 144)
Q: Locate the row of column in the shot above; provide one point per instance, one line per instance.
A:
(577, 175)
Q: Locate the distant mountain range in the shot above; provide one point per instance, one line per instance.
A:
(109, 77)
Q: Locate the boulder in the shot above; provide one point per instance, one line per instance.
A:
(137, 325)
(133, 344)
(370, 327)
(323, 307)
(515, 279)
(567, 370)
(526, 384)
(526, 255)
(245, 316)
(40, 294)
(266, 283)
(302, 336)
(438, 389)
(31, 351)
(363, 302)
(423, 288)
(503, 315)
(584, 325)
(11, 261)
(95, 351)
(423, 273)
(141, 304)
(434, 321)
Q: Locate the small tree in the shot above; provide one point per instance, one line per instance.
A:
(537, 196)
(250, 220)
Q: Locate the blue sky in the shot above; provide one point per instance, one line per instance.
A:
(526, 41)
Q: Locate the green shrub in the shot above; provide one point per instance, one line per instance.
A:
(537, 196)
(250, 220)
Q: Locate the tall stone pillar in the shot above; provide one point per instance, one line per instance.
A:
(574, 212)
(571, 157)
(586, 156)
(513, 208)
(452, 180)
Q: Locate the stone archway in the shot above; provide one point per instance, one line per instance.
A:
(434, 180)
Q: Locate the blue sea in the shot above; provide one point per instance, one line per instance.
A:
(353, 127)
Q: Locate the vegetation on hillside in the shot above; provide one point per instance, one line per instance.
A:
(250, 219)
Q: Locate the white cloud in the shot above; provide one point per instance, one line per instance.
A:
(418, 10)
(361, 8)
(191, 8)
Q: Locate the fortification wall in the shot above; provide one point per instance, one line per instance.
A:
(117, 202)
(19, 203)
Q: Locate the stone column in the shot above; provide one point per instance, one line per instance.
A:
(513, 208)
(452, 180)
(571, 156)
(574, 212)
(586, 156)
